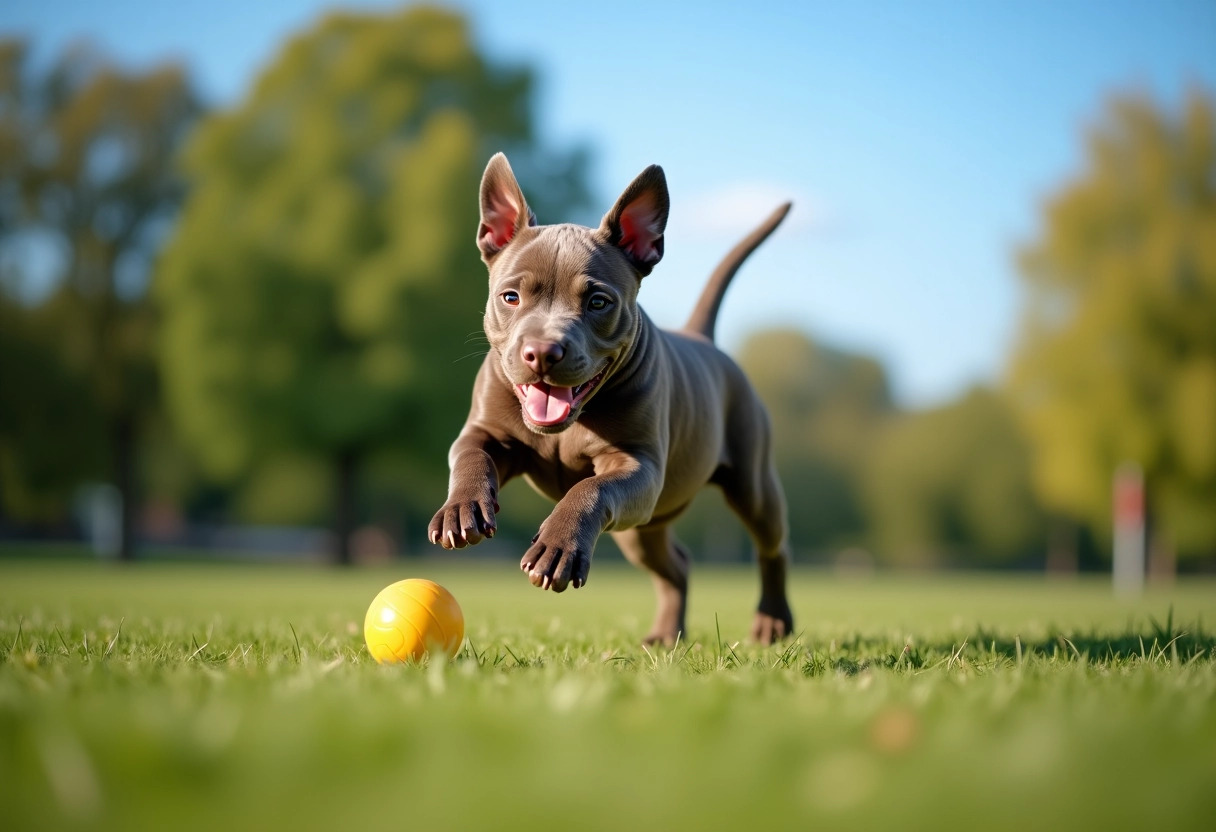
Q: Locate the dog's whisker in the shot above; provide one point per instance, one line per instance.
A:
(475, 354)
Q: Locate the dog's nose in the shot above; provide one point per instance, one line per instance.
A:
(540, 356)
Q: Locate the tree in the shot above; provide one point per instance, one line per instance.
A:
(1117, 360)
(953, 482)
(50, 437)
(87, 192)
(323, 280)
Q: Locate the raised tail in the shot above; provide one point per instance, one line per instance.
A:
(705, 315)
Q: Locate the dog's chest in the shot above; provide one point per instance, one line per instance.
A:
(552, 467)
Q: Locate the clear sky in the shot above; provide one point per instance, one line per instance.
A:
(917, 139)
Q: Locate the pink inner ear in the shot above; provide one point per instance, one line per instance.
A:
(498, 220)
(639, 232)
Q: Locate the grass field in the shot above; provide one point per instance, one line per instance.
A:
(240, 697)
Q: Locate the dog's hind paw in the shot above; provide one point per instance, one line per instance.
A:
(666, 638)
(769, 629)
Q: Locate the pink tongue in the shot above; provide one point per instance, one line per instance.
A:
(547, 405)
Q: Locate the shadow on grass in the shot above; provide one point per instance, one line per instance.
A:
(1166, 644)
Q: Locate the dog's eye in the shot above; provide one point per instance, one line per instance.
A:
(599, 303)
(510, 298)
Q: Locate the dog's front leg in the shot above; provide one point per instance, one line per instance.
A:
(478, 462)
(621, 495)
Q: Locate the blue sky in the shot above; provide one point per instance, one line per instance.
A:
(918, 140)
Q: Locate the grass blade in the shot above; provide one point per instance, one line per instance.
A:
(113, 641)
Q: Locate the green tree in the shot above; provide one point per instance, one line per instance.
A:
(1117, 360)
(50, 432)
(953, 483)
(324, 278)
(87, 193)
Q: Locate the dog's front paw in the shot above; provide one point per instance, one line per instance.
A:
(464, 520)
(556, 561)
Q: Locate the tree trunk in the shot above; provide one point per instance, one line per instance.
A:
(1162, 557)
(124, 480)
(1063, 558)
(346, 464)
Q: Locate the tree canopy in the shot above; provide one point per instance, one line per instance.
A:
(87, 193)
(952, 484)
(1117, 359)
(323, 287)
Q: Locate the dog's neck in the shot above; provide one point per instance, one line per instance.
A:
(633, 360)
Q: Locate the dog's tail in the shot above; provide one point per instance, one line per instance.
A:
(705, 315)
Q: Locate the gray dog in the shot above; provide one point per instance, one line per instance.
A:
(619, 422)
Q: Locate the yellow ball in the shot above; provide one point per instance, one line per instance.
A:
(409, 618)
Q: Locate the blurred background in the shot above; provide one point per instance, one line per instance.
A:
(240, 300)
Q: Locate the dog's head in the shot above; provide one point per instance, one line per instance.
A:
(562, 311)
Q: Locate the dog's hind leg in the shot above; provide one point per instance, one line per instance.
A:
(657, 551)
(753, 491)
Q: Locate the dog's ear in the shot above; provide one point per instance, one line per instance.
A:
(636, 223)
(503, 209)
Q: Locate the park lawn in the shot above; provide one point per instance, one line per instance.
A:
(227, 697)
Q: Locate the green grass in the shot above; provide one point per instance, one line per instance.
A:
(241, 697)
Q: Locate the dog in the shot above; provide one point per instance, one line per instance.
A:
(617, 421)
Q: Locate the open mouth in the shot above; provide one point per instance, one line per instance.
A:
(548, 404)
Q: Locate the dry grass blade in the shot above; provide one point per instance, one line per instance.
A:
(113, 641)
